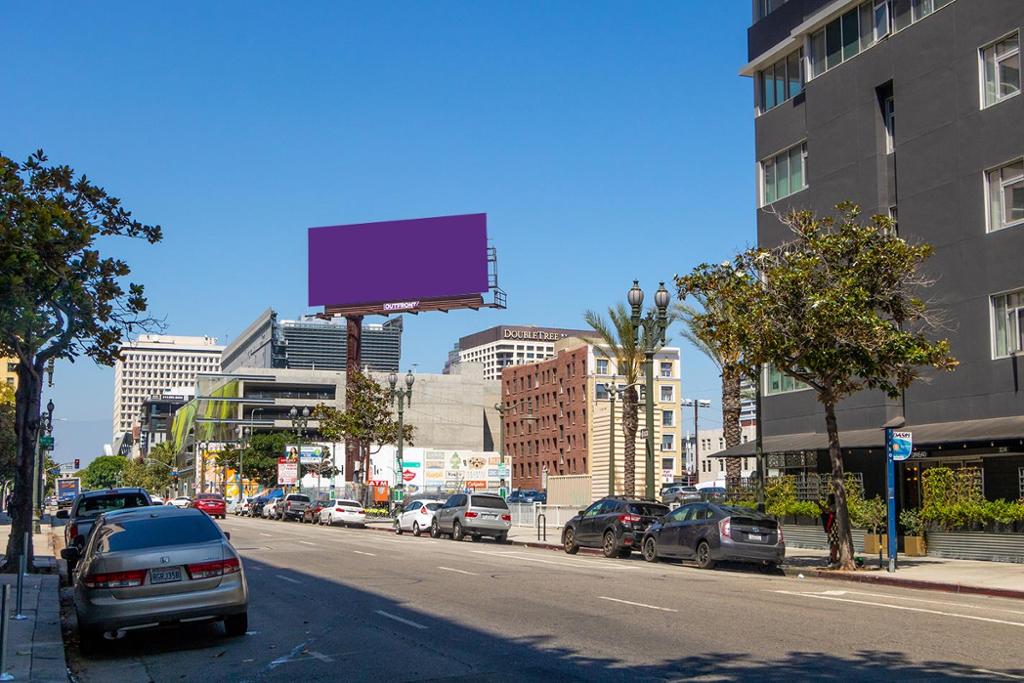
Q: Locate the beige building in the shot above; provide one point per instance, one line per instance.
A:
(9, 372)
(711, 468)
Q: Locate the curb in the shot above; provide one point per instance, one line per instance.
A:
(883, 580)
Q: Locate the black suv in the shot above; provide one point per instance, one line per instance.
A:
(615, 524)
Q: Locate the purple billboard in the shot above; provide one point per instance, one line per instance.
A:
(398, 262)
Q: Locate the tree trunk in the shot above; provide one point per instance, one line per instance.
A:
(629, 427)
(26, 425)
(842, 512)
(731, 422)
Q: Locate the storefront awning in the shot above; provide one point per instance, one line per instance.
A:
(961, 431)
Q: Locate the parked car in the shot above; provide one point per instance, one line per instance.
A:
(236, 505)
(679, 493)
(472, 514)
(212, 504)
(155, 566)
(417, 516)
(255, 506)
(713, 493)
(615, 524)
(157, 500)
(710, 532)
(90, 505)
(312, 513)
(291, 506)
(527, 496)
(180, 502)
(268, 511)
(343, 511)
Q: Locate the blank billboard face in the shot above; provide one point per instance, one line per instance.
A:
(396, 261)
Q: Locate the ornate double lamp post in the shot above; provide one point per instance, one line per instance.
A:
(401, 398)
(650, 336)
(299, 422)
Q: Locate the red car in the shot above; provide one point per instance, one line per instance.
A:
(212, 504)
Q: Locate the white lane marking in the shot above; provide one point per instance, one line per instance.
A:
(287, 578)
(637, 604)
(933, 602)
(263, 534)
(400, 619)
(460, 571)
(360, 552)
(290, 657)
(307, 543)
(579, 564)
(999, 673)
(972, 617)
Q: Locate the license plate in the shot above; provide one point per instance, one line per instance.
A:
(754, 537)
(487, 514)
(165, 575)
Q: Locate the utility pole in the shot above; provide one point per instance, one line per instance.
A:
(401, 398)
(611, 440)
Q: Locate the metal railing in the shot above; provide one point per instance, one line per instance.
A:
(554, 516)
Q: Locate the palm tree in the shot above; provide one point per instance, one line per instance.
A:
(618, 343)
(727, 357)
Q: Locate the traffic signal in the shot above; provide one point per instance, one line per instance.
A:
(76, 463)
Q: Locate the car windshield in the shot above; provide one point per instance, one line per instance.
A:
(210, 496)
(349, 503)
(493, 502)
(95, 505)
(135, 534)
(299, 497)
(648, 509)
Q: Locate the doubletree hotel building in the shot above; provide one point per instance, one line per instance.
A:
(505, 345)
(912, 109)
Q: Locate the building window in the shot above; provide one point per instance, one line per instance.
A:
(602, 366)
(784, 174)
(667, 442)
(1000, 65)
(1020, 481)
(781, 81)
(846, 36)
(668, 418)
(894, 216)
(889, 120)
(779, 383)
(1005, 189)
(666, 393)
(600, 392)
(766, 7)
(666, 369)
(1007, 323)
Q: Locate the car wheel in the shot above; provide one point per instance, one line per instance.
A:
(416, 529)
(457, 533)
(398, 528)
(476, 538)
(650, 549)
(608, 545)
(704, 560)
(570, 542)
(435, 530)
(236, 624)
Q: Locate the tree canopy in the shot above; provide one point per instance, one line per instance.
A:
(104, 472)
(368, 416)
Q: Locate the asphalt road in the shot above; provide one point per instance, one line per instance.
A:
(332, 604)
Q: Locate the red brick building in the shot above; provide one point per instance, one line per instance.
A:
(545, 417)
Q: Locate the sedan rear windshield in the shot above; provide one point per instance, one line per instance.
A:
(302, 498)
(648, 510)
(434, 506)
(350, 503)
(493, 502)
(96, 505)
(155, 532)
(209, 496)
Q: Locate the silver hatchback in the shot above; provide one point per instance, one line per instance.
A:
(156, 566)
(473, 514)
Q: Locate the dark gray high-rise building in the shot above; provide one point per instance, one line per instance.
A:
(313, 344)
(909, 108)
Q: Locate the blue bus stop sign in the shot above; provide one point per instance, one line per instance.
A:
(901, 445)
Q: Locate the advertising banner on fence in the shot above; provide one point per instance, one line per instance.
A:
(311, 454)
(287, 472)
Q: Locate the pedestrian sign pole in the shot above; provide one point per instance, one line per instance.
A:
(898, 447)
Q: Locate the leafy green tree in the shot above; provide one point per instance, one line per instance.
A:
(838, 308)
(59, 298)
(104, 472)
(259, 457)
(618, 342)
(154, 472)
(368, 417)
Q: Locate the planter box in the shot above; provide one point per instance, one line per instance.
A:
(875, 543)
(914, 546)
(974, 545)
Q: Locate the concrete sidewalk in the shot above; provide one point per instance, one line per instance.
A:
(35, 646)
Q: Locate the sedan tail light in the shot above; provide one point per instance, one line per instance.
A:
(73, 530)
(628, 518)
(471, 515)
(423, 511)
(206, 570)
(115, 579)
(725, 528)
(506, 518)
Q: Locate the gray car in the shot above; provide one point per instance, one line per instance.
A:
(90, 505)
(473, 514)
(156, 566)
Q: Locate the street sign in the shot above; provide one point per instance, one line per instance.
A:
(408, 475)
(901, 445)
(46, 442)
(287, 472)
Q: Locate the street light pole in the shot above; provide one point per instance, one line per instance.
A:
(611, 439)
(697, 404)
(649, 341)
(504, 490)
(299, 422)
(401, 398)
(759, 445)
(39, 475)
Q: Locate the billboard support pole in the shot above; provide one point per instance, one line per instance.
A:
(353, 363)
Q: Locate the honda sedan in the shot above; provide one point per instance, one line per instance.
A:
(156, 566)
(212, 504)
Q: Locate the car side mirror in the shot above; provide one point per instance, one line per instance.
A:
(69, 554)
(62, 514)
(581, 513)
(227, 535)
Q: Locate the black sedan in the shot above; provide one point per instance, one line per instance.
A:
(710, 532)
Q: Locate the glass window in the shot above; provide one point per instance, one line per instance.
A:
(779, 383)
(782, 175)
(867, 26)
(851, 34)
(889, 119)
(668, 418)
(602, 366)
(667, 442)
(785, 173)
(769, 182)
(781, 81)
(922, 8)
(666, 393)
(1008, 323)
(900, 14)
(666, 369)
(1001, 65)
(833, 44)
(600, 392)
(817, 53)
(1005, 188)
(156, 532)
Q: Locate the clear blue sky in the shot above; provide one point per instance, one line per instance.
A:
(605, 141)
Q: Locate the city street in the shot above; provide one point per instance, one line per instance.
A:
(352, 604)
